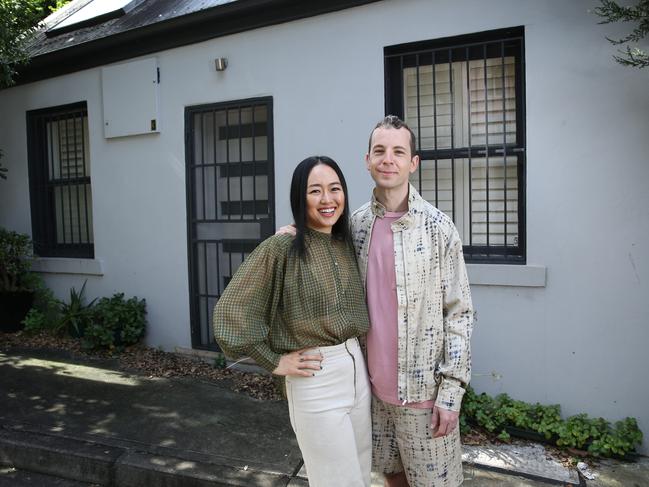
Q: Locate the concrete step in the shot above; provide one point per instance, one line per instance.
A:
(83, 462)
(11, 477)
(58, 456)
(37, 455)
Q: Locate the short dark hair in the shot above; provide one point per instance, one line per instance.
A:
(340, 230)
(394, 122)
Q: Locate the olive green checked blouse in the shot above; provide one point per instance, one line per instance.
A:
(278, 303)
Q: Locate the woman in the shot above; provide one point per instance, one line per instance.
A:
(296, 305)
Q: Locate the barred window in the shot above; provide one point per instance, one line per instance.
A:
(59, 177)
(463, 97)
(230, 197)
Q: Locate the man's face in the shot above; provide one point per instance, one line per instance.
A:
(390, 161)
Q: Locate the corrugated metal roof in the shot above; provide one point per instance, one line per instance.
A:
(155, 25)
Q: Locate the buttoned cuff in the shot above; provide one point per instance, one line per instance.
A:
(265, 357)
(449, 395)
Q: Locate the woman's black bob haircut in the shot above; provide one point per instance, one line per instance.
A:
(340, 230)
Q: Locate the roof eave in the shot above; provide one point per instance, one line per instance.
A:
(181, 31)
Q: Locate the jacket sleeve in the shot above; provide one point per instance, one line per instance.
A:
(455, 370)
(243, 315)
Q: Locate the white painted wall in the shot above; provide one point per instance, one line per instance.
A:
(579, 340)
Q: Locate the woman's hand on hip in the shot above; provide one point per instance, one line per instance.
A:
(300, 363)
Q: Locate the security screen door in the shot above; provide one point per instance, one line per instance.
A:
(230, 198)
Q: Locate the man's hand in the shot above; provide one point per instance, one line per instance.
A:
(300, 363)
(287, 230)
(443, 421)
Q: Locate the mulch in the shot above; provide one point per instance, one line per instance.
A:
(150, 362)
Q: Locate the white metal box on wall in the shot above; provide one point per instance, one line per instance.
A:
(130, 98)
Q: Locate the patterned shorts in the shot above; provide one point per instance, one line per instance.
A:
(402, 440)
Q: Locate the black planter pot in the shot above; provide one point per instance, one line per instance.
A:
(14, 306)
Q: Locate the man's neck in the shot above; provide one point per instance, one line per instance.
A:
(394, 199)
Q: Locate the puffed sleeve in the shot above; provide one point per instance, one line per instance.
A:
(245, 311)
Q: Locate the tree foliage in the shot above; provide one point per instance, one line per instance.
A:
(632, 55)
(18, 19)
(18, 22)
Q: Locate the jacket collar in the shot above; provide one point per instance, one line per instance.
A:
(378, 210)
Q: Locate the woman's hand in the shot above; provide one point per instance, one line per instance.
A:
(300, 363)
(287, 230)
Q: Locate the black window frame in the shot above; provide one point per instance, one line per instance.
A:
(42, 189)
(461, 48)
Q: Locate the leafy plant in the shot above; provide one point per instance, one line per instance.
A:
(45, 313)
(611, 11)
(500, 414)
(18, 23)
(76, 316)
(622, 439)
(35, 321)
(220, 361)
(116, 323)
(15, 261)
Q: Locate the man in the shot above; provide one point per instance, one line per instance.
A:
(419, 302)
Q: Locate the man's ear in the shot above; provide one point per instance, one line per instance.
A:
(414, 164)
(367, 161)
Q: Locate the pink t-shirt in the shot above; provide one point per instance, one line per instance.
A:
(382, 306)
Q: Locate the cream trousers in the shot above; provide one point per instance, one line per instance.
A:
(330, 414)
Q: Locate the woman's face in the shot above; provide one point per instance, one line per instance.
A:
(325, 198)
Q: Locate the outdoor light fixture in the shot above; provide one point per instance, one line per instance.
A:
(221, 63)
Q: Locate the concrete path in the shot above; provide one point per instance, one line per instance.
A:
(77, 422)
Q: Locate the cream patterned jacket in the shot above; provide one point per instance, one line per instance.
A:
(435, 314)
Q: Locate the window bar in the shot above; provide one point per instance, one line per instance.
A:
(216, 167)
(254, 168)
(401, 71)
(450, 81)
(502, 62)
(206, 283)
(68, 158)
(230, 263)
(468, 89)
(241, 166)
(219, 243)
(50, 186)
(77, 177)
(435, 127)
(227, 161)
(85, 175)
(57, 184)
(486, 102)
(202, 161)
(418, 125)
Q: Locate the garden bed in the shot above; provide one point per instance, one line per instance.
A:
(150, 362)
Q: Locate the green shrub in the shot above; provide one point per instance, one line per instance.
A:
(498, 415)
(620, 440)
(45, 314)
(15, 261)
(75, 316)
(220, 361)
(35, 321)
(116, 323)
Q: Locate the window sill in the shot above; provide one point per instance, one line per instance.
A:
(56, 265)
(506, 275)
